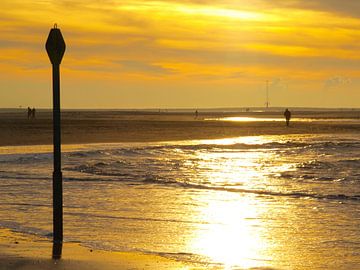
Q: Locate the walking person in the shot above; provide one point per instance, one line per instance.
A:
(287, 115)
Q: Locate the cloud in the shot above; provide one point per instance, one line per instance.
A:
(278, 84)
(336, 82)
(349, 7)
(142, 67)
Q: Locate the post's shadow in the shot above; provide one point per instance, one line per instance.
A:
(57, 250)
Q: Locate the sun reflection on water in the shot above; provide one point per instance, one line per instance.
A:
(239, 166)
(232, 235)
(232, 168)
(250, 140)
(232, 232)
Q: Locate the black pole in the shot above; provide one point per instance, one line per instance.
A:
(57, 174)
(55, 47)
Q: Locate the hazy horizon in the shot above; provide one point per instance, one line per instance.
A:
(240, 108)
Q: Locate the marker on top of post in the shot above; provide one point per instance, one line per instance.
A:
(55, 45)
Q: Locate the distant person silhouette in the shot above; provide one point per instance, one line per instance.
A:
(287, 115)
(196, 114)
(29, 112)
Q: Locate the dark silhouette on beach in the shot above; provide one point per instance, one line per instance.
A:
(287, 115)
(31, 113)
(196, 114)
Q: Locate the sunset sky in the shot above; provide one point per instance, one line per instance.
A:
(183, 53)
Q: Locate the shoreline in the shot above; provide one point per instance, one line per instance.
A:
(90, 127)
(29, 252)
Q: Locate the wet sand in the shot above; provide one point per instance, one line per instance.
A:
(22, 252)
(134, 126)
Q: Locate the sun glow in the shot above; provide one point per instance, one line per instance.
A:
(221, 12)
(193, 9)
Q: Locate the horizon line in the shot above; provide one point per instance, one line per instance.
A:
(187, 108)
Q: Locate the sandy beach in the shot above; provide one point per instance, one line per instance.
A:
(30, 252)
(18, 251)
(144, 126)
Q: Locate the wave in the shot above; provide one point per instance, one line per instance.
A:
(313, 178)
(338, 144)
(149, 150)
(25, 158)
(20, 228)
(315, 165)
(149, 179)
(355, 161)
(294, 194)
(332, 169)
(142, 219)
(31, 175)
(156, 150)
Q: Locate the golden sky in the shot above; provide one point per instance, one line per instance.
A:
(183, 53)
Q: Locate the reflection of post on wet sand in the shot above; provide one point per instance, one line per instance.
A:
(57, 249)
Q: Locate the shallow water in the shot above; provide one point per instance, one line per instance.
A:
(354, 119)
(287, 202)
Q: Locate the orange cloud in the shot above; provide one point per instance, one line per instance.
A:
(234, 43)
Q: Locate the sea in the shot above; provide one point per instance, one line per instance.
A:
(258, 202)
